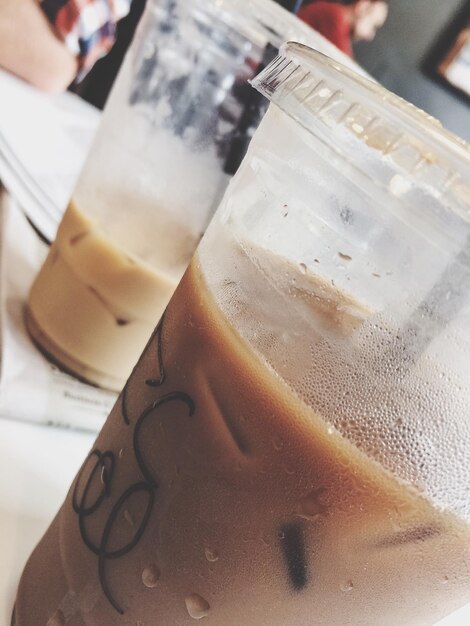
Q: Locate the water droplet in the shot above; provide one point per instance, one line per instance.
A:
(121, 453)
(445, 580)
(211, 555)
(399, 185)
(128, 517)
(311, 507)
(57, 619)
(151, 576)
(197, 606)
(347, 586)
(277, 444)
(303, 268)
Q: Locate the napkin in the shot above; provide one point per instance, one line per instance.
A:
(44, 140)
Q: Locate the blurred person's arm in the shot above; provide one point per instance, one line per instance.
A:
(30, 48)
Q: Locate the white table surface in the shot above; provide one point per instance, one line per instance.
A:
(37, 465)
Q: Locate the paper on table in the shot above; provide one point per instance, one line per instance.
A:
(44, 141)
(31, 388)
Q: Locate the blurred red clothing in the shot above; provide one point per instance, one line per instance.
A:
(331, 21)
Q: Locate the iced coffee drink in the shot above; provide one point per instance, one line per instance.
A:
(94, 305)
(291, 448)
(216, 491)
(170, 138)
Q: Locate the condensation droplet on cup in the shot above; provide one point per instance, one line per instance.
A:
(211, 555)
(399, 185)
(348, 586)
(57, 619)
(121, 453)
(445, 580)
(303, 268)
(311, 507)
(151, 576)
(197, 606)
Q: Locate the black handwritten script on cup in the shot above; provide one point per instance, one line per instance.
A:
(96, 477)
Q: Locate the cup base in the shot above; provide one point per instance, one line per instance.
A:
(64, 361)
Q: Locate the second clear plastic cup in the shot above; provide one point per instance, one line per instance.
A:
(177, 121)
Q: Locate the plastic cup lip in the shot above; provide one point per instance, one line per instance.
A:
(294, 82)
(247, 13)
(381, 98)
(312, 60)
(261, 22)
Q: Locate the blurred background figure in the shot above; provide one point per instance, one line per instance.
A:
(49, 43)
(345, 22)
(96, 85)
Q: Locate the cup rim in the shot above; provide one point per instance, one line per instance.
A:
(328, 98)
(267, 20)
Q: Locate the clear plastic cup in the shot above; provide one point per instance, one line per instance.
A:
(293, 445)
(175, 128)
